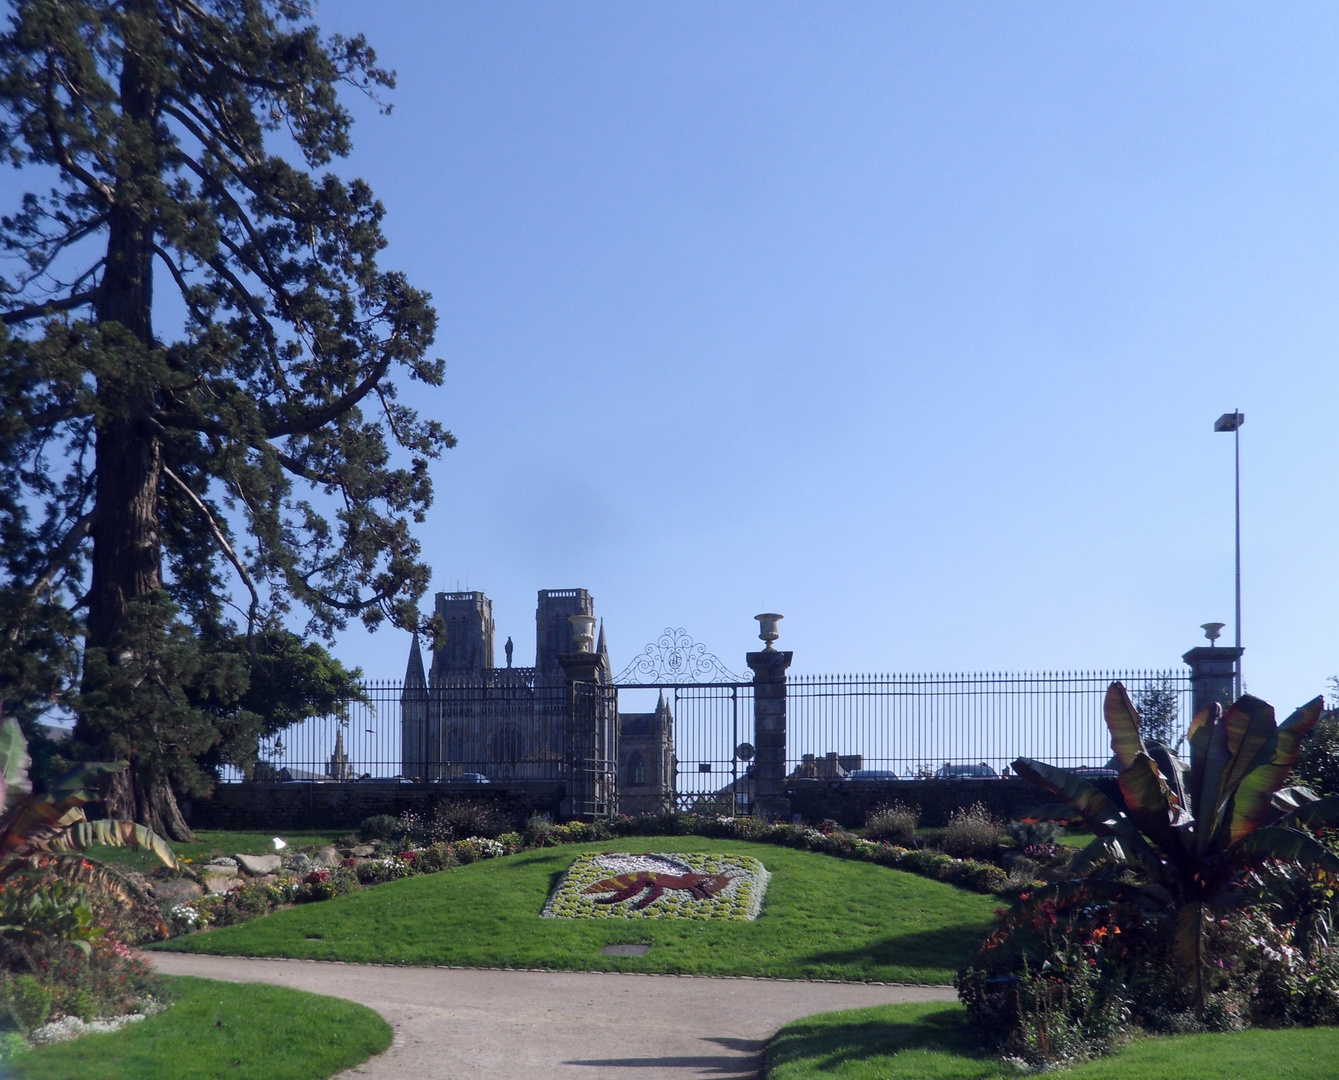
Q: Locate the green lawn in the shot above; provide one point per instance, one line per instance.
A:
(823, 918)
(216, 1030)
(931, 1042)
(215, 842)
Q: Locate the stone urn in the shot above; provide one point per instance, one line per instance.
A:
(767, 630)
(583, 632)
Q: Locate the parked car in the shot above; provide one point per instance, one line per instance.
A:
(872, 774)
(1095, 772)
(464, 778)
(367, 779)
(967, 772)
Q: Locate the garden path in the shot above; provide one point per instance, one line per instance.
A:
(453, 1023)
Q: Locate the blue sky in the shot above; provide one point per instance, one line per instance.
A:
(908, 321)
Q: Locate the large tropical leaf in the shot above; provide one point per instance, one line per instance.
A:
(83, 778)
(1312, 815)
(1123, 722)
(1197, 741)
(85, 834)
(35, 821)
(1113, 851)
(1176, 774)
(14, 763)
(1290, 845)
(1077, 793)
(1254, 801)
(1149, 803)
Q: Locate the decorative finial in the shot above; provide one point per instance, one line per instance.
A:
(767, 628)
(508, 647)
(1211, 631)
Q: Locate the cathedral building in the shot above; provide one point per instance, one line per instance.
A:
(464, 718)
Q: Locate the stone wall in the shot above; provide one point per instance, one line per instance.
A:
(266, 807)
(848, 802)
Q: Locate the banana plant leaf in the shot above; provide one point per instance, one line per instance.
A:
(1210, 767)
(85, 834)
(1293, 845)
(1078, 794)
(1197, 739)
(1149, 804)
(1312, 815)
(83, 777)
(35, 820)
(14, 764)
(1113, 851)
(1176, 774)
(1123, 722)
(1254, 801)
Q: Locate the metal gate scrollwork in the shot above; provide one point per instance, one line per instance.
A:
(675, 659)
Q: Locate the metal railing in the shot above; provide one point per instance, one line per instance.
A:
(507, 727)
(915, 725)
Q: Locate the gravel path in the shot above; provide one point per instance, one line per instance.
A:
(453, 1024)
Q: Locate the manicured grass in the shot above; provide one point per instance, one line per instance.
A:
(215, 842)
(932, 1042)
(823, 918)
(215, 1030)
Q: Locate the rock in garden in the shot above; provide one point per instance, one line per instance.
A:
(256, 865)
(219, 879)
(328, 855)
(173, 891)
(361, 851)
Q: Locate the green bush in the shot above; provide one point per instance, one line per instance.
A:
(380, 827)
(27, 1001)
(896, 823)
(971, 833)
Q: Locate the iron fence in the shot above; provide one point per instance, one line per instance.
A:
(507, 726)
(925, 725)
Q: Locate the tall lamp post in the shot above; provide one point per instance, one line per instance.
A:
(1232, 422)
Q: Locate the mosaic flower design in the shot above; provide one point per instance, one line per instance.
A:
(659, 886)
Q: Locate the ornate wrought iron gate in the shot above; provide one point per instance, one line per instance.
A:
(712, 723)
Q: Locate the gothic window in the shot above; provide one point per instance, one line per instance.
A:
(455, 745)
(636, 770)
(506, 744)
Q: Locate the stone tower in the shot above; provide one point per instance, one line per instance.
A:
(553, 633)
(414, 707)
(467, 647)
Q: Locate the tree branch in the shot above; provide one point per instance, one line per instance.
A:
(48, 307)
(318, 418)
(227, 550)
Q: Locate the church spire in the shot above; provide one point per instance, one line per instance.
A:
(413, 675)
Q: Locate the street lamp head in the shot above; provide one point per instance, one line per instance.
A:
(1229, 421)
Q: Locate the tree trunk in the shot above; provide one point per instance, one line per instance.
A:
(127, 543)
(148, 801)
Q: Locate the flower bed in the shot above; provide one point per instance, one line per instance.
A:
(659, 886)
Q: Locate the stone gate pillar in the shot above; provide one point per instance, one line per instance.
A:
(1212, 672)
(588, 737)
(769, 730)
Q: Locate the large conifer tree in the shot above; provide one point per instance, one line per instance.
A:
(174, 151)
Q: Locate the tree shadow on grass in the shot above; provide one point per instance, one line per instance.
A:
(827, 1047)
(945, 947)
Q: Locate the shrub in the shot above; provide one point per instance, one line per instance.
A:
(971, 833)
(538, 830)
(895, 824)
(456, 818)
(380, 827)
(1039, 841)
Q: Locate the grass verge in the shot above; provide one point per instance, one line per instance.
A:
(211, 843)
(932, 1042)
(823, 918)
(213, 1030)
